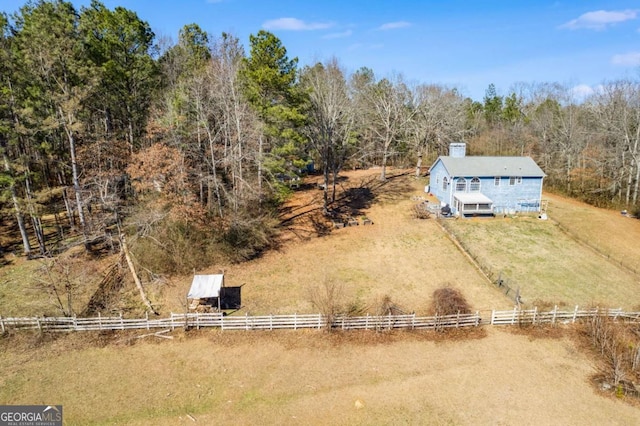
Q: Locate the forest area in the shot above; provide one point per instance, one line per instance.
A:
(188, 147)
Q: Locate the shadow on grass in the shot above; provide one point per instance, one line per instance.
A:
(354, 196)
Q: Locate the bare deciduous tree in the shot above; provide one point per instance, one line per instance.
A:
(439, 119)
(330, 119)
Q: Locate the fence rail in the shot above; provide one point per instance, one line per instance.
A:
(247, 322)
(309, 321)
(533, 316)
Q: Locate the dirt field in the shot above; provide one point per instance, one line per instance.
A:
(312, 378)
(492, 376)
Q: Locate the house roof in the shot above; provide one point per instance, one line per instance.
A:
(205, 286)
(490, 166)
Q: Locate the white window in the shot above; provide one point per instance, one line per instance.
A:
(475, 185)
(445, 182)
(513, 180)
(496, 181)
(461, 185)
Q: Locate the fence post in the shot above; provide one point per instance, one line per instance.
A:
(173, 327)
(75, 323)
(555, 311)
(2, 324)
(389, 321)
(99, 321)
(575, 314)
(39, 324)
(493, 313)
(513, 318)
(366, 322)
(477, 318)
(246, 321)
(458, 320)
(295, 320)
(535, 311)
(413, 321)
(146, 315)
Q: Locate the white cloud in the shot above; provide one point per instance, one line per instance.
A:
(361, 46)
(394, 25)
(631, 59)
(582, 91)
(338, 35)
(294, 24)
(600, 19)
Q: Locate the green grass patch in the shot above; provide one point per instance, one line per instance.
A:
(545, 263)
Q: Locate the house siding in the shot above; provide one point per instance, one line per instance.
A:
(524, 196)
(521, 197)
(438, 173)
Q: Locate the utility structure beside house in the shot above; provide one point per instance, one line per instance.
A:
(485, 186)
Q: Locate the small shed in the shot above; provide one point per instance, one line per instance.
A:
(210, 291)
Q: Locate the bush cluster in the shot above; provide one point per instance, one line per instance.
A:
(448, 301)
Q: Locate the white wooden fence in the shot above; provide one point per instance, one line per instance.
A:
(317, 321)
(533, 316)
(246, 322)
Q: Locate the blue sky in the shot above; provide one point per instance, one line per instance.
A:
(463, 44)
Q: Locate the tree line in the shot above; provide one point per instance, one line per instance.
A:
(191, 145)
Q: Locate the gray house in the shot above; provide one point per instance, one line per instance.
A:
(476, 186)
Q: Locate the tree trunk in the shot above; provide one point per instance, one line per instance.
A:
(635, 185)
(383, 172)
(76, 178)
(35, 221)
(143, 295)
(213, 171)
(69, 208)
(627, 197)
(21, 225)
(16, 206)
(260, 164)
(325, 189)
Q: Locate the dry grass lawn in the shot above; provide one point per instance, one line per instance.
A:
(311, 378)
(548, 265)
(490, 376)
(398, 256)
(612, 235)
